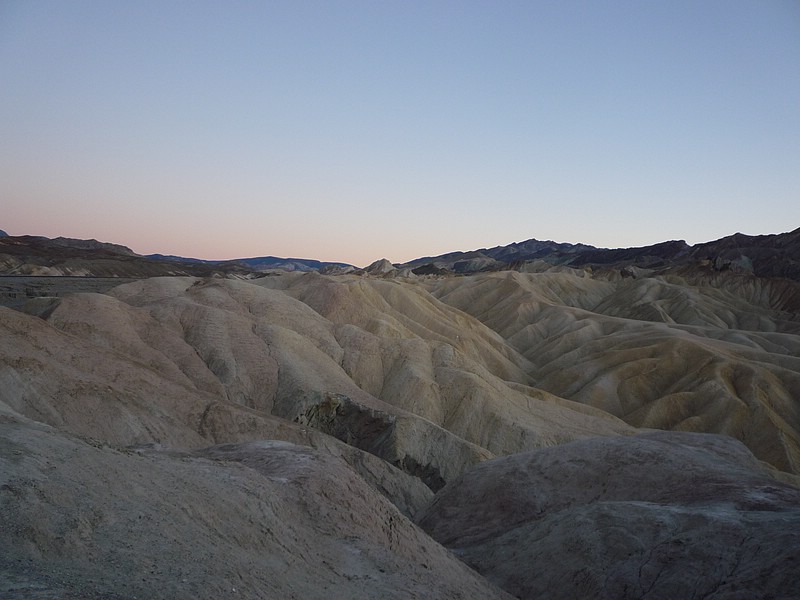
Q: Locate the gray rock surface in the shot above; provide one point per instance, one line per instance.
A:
(267, 519)
(658, 515)
(380, 267)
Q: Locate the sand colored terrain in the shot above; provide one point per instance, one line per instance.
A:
(710, 355)
(262, 519)
(341, 409)
(451, 390)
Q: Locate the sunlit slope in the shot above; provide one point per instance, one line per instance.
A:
(383, 366)
(412, 351)
(430, 374)
(697, 354)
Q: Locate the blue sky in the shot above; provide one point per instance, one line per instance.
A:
(353, 131)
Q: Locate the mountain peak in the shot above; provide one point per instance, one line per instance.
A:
(380, 267)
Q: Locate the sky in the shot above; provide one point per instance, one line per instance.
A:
(355, 130)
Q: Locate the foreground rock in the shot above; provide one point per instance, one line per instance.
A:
(255, 520)
(660, 515)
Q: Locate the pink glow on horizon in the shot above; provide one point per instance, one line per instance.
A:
(397, 130)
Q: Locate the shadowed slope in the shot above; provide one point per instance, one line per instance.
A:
(134, 395)
(257, 520)
(71, 383)
(415, 352)
(369, 340)
(661, 515)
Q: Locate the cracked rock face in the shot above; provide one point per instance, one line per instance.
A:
(661, 515)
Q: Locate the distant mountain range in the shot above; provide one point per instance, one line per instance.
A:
(37, 255)
(776, 255)
(259, 263)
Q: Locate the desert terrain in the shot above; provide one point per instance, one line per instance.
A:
(531, 421)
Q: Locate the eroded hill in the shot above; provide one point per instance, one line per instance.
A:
(329, 412)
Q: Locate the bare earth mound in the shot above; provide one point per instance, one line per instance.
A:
(179, 437)
(257, 520)
(662, 515)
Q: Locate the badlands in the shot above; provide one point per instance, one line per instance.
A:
(534, 428)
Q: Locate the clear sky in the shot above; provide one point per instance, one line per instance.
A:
(351, 131)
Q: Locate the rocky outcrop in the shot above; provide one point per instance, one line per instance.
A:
(413, 445)
(662, 515)
(263, 519)
(380, 267)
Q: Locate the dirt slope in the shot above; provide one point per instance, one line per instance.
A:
(256, 520)
(333, 408)
(661, 515)
(711, 355)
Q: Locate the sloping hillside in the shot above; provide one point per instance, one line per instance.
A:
(715, 355)
(660, 515)
(299, 424)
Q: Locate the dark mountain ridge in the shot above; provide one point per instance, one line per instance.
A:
(775, 255)
(258, 263)
(37, 255)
